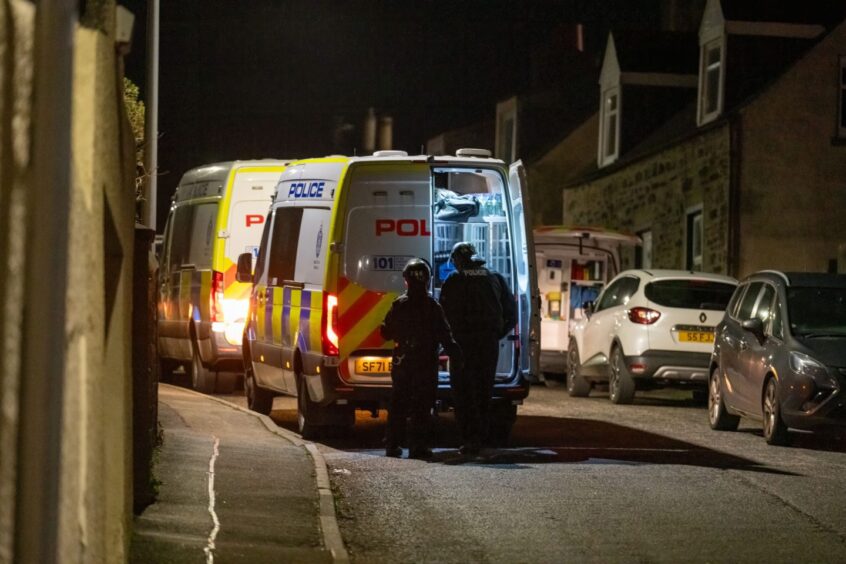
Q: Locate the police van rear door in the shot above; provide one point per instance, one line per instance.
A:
(388, 221)
(527, 283)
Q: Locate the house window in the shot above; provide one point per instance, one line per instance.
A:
(609, 134)
(711, 81)
(643, 253)
(841, 130)
(693, 258)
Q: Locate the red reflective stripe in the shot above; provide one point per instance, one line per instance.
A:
(374, 340)
(357, 311)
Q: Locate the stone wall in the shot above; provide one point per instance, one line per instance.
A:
(656, 192)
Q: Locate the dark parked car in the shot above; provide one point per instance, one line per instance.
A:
(780, 355)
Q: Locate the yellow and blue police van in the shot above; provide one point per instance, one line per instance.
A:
(217, 213)
(336, 240)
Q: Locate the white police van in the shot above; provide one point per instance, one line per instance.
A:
(338, 235)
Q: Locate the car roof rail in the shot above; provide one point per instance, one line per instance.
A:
(777, 273)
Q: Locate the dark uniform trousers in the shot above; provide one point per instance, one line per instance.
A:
(412, 398)
(473, 384)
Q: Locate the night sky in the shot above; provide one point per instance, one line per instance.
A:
(273, 78)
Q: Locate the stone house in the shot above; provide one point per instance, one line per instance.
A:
(727, 153)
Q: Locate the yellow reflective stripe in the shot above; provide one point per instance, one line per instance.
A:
(294, 315)
(277, 315)
(185, 294)
(260, 314)
(314, 341)
(237, 291)
(348, 297)
(205, 295)
(363, 328)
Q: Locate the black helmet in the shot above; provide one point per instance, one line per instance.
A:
(417, 271)
(464, 255)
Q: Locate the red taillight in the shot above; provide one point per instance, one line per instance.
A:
(216, 297)
(329, 324)
(643, 315)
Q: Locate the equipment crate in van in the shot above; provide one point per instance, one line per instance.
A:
(574, 264)
(217, 213)
(340, 231)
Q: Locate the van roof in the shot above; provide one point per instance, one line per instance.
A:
(446, 159)
(220, 171)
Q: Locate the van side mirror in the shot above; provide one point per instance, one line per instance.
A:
(244, 272)
(588, 307)
(756, 327)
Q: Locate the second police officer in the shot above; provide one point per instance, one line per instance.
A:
(481, 310)
(417, 325)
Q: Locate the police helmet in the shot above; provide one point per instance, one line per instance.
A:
(464, 254)
(417, 271)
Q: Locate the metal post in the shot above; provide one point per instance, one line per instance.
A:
(42, 387)
(151, 125)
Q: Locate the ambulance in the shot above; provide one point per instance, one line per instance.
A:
(217, 213)
(574, 264)
(340, 231)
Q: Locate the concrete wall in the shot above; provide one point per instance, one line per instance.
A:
(656, 192)
(793, 176)
(95, 485)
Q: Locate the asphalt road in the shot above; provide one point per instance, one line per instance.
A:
(588, 481)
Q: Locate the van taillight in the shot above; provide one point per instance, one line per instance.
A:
(329, 324)
(643, 315)
(216, 298)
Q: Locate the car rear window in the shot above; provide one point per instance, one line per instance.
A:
(690, 294)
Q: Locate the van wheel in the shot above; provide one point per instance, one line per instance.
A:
(202, 379)
(621, 387)
(259, 399)
(577, 386)
(306, 413)
(718, 416)
(500, 425)
(166, 369)
(775, 430)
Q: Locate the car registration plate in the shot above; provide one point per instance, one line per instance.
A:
(372, 366)
(696, 336)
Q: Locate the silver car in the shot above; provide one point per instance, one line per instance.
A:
(780, 355)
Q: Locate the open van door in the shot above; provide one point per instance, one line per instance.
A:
(527, 283)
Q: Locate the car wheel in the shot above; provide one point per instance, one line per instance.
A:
(718, 416)
(577, 386)
(621, 387)
(775, 431)
(202, 379)
(259, 399)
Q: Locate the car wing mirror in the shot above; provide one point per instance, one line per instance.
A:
(589, 308)
(756, 327)
(244, 272)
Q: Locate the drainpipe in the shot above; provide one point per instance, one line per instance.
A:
(151, 125)
(42, 387)
(735, 124)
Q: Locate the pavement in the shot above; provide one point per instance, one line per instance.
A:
(234, 487)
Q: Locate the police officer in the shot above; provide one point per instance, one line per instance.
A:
(416, 324)
(481, 310)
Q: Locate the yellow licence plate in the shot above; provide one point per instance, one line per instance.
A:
(696, 336)
(372, 366)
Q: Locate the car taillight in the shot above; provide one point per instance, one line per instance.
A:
(216, 297)
(329, 324)
(643, 315)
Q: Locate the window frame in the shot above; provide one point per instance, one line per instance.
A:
(703, 115)
(690, 259)
(606, 157)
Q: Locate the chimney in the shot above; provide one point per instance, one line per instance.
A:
(386, 133)
(368, 141)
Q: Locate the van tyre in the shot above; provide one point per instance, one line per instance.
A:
(775, 430)
(621, 386)
(166, 370)
(718, 416)
(577, 386)
(307, 413)
(259, 399)
(202, 379)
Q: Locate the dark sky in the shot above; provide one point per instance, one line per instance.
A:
(271, 78)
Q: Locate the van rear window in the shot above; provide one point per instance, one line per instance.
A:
(690, 294)
(193, 235)
(283, 244)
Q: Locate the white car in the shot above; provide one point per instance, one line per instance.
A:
(648, 329)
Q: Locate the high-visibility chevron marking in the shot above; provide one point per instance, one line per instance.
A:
(352, 340)
(358, 311)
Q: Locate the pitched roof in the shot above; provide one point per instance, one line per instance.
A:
(657, 51)
(823, 12)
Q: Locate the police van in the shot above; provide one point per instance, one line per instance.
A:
(339, 233)
(217, 213)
